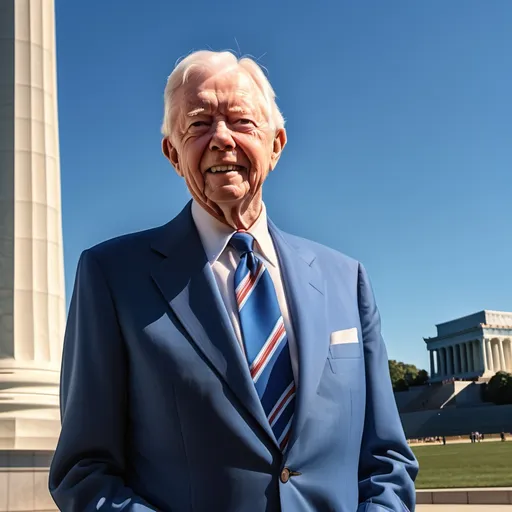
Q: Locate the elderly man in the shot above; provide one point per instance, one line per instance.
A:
(216, 363)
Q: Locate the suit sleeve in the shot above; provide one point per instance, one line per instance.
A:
(387, 466)
(88, 466)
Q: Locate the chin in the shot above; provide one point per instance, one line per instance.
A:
(228, 195)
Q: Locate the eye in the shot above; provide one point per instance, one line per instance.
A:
(244, 121)
(197, 124)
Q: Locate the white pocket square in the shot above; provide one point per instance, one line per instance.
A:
(344, 336)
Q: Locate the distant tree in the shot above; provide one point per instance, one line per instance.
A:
(499, 389)
(421, 378)
(396, 372)
(400, 385)
(403, 375)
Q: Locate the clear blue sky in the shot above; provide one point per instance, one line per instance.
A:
(399, 136)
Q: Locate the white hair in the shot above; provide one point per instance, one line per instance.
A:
(205, 59)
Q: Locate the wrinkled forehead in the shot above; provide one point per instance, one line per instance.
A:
(210, 90)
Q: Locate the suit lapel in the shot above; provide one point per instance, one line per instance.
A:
(188, 285)
(304, 289)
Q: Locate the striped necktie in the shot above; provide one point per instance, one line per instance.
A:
(264, 337)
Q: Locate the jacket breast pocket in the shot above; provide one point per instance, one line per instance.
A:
(346, 359)
(345, 350)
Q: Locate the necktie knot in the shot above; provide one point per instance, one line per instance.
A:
(242, 242)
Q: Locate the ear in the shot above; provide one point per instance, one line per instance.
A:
(277, 148)
(171, 153)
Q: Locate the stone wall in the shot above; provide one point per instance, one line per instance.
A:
(24, 481)
(455, 421)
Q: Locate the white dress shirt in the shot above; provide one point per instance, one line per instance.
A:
(224, 259)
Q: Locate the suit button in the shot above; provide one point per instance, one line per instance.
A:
(285, 475)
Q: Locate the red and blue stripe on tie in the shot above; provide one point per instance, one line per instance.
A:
(265, 339)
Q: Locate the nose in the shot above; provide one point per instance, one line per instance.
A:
(222, 139)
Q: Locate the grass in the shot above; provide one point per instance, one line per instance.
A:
(487, 464)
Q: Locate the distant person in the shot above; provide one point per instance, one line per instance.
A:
(502, 436)
(444, 440)
(217, 363)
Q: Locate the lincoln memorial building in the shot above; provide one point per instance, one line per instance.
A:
(474, 346)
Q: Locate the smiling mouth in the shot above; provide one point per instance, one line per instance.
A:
(226, 168)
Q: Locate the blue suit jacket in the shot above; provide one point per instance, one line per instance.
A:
(158, 408)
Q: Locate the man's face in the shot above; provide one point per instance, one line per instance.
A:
(222, 143)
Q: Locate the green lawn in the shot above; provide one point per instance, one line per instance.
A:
(487, 464)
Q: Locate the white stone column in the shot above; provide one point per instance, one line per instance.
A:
(490, 358)
(456, 359)
(442, 361)
(503, 366)
(469, 357)
(507, 348)
(432, 367)
(495, 355)
(32, 305)
(483, 350)
(449, 361)
(463, 358)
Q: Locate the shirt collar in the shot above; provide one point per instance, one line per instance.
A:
(215, 235)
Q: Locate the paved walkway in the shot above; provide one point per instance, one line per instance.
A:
(478, 497)
(467, 489)
(458, 441)
(464, 508)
